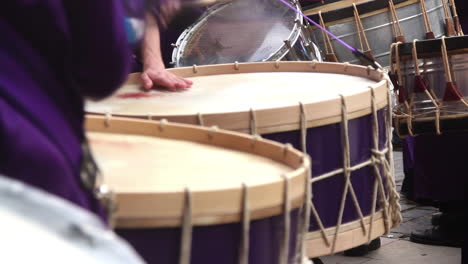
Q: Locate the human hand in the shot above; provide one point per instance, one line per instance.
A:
(161, 78)
(167, 10)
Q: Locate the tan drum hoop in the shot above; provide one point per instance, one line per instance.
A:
(280, 119)
(263, 200)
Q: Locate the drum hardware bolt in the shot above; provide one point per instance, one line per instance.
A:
(287, 148)
(369, 68)
(236, 65)
(297, 21)
(194, 68)
(172, 63)
(162, 124)
(277, 64)
(314, 64)
(107, 120)
(255, 139)
(346, 65)
(174, 45)
(150, 116)
(212, 131)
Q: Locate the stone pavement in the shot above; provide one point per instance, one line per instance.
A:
(396, 247)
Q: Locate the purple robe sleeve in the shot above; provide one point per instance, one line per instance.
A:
(100, 52)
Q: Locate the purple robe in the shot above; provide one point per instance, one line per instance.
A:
(53, 54)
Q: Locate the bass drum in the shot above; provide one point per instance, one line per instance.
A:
(40, 228)
(245, 31)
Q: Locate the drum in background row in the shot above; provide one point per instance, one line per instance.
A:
(40, 228)
(245, 31)
(373, 26)
(432, 86)
(189, 194)
(337, 113)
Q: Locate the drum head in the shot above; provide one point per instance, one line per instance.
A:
(225, 97)
(151, 166)
(41, 228)
(240, 30)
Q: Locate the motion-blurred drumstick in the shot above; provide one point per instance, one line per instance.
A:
(397, 31)
(362, 34)
(329, 51)
(201, 3)
(449, 27)
(355, 51)
(427, 22)
(451, 92)
(456, 19)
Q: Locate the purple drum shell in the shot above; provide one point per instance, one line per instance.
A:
(217, 243)
(326, 152)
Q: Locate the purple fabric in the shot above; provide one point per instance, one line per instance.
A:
(56, 53)
(439, 166)
(215, 244)
(324, 147)
(408, 153)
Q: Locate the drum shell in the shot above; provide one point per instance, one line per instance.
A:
(378, 30)
(216, 244)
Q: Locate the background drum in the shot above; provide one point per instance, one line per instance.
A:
(337, 113)
(433, 97)
(379, 26)
(187, 194)
(40, 228)
(245, 31)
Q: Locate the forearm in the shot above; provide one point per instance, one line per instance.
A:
(151, 48)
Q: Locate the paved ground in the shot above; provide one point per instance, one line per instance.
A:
(396, 247)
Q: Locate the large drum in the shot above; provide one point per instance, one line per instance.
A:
(433, 86)
(40, 228)
(337, 113)
(187, 194)
(245, 31)
(373, 26)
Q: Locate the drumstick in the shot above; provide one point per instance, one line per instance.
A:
(355, 51)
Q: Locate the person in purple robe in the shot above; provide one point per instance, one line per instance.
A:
(53, 54)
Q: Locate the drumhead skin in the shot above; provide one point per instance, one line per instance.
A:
(40, 228)
(165, 174)
(376, 19)
(209, 162)
(226, 96)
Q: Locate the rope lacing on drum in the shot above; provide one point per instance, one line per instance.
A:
(253, 122)
(284, 242)
(186, 234)
(303, 121)
(378, 161)
(347, 175)
(396, 27)
(303, 224)
(244, 243)
(377, 158)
